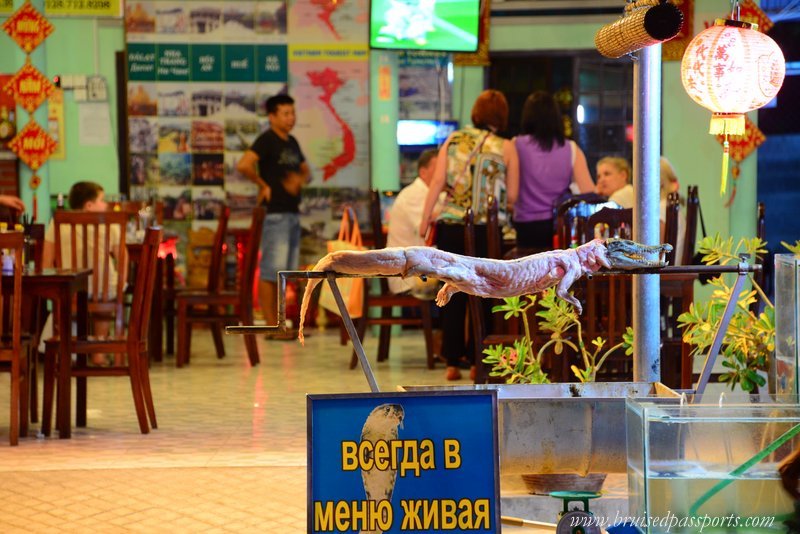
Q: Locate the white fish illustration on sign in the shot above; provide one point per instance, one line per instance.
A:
(381, 425)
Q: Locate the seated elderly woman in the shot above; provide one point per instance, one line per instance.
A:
(613, 181)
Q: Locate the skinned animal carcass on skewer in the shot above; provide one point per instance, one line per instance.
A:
(492, 278)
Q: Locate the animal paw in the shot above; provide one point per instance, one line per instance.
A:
(444, 294)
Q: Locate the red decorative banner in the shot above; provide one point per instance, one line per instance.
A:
(32, 145)
(750, 12)
(742, 146)
(673, 49)
(29, 87)
(27, 27)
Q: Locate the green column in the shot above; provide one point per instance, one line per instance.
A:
(40, 115)
(467, 85)
(383, 111)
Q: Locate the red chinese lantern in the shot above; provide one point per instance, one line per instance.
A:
(731, 68)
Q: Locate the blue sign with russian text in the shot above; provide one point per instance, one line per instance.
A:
(403, 462)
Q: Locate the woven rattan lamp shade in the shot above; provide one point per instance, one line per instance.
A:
(645, 23)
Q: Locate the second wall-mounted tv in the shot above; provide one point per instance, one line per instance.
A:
(443, 25)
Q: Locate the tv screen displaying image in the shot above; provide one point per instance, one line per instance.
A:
(444, 25)
(423, 132)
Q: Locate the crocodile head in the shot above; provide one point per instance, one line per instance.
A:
(625, 254)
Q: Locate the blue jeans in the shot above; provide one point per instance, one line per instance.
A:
(280, 245)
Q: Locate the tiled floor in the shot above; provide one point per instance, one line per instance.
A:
(229, 453)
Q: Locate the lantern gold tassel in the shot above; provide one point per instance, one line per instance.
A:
(726, 154)
(727, 123)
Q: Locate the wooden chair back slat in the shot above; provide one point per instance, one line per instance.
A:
(671, 226)
(85, 228)
(692, 208)
(218, 251)
(144, 286)
(376, 219)
(378, 237)
(132, 208)
(614, 218)
(494, 234)
(251, 257)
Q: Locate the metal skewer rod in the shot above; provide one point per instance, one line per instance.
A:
(743, 268)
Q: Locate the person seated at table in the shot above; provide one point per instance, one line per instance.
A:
(404, 219)
(614, 181)
(86, 196)
(10, 208)
(670, 184)
(549, 164)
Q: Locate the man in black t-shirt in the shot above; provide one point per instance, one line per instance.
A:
(277, 165)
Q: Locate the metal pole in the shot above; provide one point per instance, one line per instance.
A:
(646, 229)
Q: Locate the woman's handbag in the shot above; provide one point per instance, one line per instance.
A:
(352, 289)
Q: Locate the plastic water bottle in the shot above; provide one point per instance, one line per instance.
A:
(573, 234)
(6, 261)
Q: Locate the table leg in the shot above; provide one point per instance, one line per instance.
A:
(83, 331)
(169, 302)
(64, 404)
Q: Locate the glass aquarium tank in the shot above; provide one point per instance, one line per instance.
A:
(709, 467)
(783, 372)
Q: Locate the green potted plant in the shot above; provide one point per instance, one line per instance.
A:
(519, 364)
(750, 338)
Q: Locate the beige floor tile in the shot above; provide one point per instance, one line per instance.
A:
(229, 454)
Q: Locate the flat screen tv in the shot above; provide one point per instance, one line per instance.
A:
(442, 25)
(424, 132)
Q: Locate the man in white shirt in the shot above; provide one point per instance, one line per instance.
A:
(404, 220)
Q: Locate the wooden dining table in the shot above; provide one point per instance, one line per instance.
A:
(63, 287)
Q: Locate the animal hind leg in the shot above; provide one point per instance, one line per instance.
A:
(444, 294)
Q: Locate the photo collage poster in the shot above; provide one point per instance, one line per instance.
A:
(199, 74)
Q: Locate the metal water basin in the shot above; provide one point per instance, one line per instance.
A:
(563, 428)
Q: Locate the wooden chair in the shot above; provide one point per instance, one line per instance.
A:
(213, 283)
(477, 317)
(94, 240)
(385, 300)
(761, 276)
(577, 206)
(671, 226)
(608, 298)
(133, 344)
(132, 208)
(14, 356)
(619, 222)
(692, 210)
(677, 293)
(219, 299)
(165, 298)
(496, 330)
